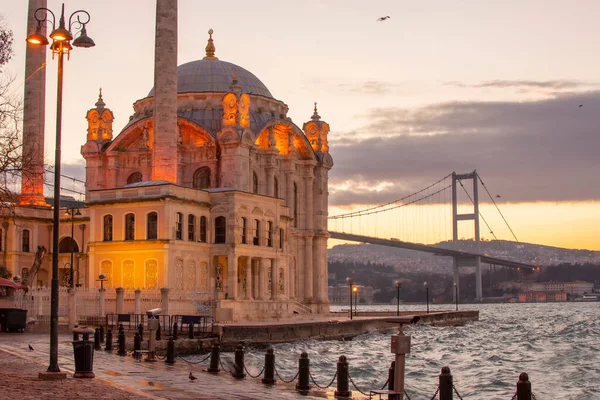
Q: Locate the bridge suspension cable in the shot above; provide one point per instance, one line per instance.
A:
(497, 208)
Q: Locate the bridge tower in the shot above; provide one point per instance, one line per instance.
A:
(474, 216)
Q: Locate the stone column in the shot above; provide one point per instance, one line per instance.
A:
(101, 301)
(270, 182)
(232, 267)
(289, 188)
(249, 279)
(32, 182)
(120, 300)
(164, 152)
(164, 300)
(138, 302)
(262, 280)
(308, 206)
(274, 280)
(308, 268)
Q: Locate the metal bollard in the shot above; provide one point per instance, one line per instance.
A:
(342, 379)
(303, 385)
(122, 351)
(214, 359)
(158, 332)
(170, 352)
(101, 333)
(175, 331)
(121, 329)
(238, 366)
(137, 343)
(141, 331)
(109, 344)
(75, 336)
(269, 377)
(97, 339)
(446, 384)
(191, 330)
(391, 374)
(523, 387)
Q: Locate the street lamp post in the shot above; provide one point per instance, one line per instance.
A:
(427, 294)
(397, 284)
(349, 282)
(456, 295)
(61, 44)
(72, 212)
(355, 290)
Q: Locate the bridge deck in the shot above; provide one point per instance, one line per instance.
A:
(431, 249)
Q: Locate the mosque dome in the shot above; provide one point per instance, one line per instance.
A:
(213, 75)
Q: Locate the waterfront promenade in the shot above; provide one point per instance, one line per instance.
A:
(121, 377)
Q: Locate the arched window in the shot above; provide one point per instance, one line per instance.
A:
(295, 205)
(281, 239)
(244, 230)
(220, 230)
(254, 183)
(134, 178)
(275, 188)
(25, 241)
(201, 179)
(270, 234)
(130, 227)
(179, 226)
(192, 228)
(203, 229)
(68, 245)
(152, 226)
(108, 228)
(256, 233)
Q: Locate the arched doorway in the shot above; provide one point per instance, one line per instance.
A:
(68, 246)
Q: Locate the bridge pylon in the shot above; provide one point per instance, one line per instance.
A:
(474, 216)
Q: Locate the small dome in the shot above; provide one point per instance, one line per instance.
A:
(213, 75)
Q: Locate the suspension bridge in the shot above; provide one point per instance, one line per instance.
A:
(426, 219)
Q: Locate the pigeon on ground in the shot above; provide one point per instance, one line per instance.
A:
(383, 18)
(30, 348)
(192, 377)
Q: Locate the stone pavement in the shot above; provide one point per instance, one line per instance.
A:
(123, 377)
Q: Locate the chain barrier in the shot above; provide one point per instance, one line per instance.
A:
(283, 380)
(160, 358)
(406, 394)
(223, 367)
(514, 396)
(319, 386)
(193, 362)
(436, 393)
(385, 384)
(356, 387)
(252, 376)
(533, 396)
(456, 391)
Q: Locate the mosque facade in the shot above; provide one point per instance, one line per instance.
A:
(209, 188)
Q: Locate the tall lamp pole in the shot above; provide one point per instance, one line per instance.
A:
(72, 212)
(397, 284)
(61, 44)
(355, 290)
(427, 291)
(349, 282)
(456, 295)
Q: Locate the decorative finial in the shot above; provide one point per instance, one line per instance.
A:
(210, 47)
(235, 86)
(315, 116)
(100, 103)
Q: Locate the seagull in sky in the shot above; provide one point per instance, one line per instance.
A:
(30, 348)
(192, 377)
(498, 196)
(581, 105)
(383, 18)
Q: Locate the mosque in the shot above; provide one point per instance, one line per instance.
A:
(209, 187)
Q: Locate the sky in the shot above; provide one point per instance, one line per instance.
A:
(510, 88)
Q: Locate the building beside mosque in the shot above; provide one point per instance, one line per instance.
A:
(210, 187)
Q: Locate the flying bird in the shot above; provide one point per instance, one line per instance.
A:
(192, 377)
(498, 196)
(30, 348)
(383, 18)
(581, 105)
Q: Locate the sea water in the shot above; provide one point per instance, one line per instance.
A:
(557, 344)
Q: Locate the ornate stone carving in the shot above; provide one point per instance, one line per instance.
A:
(107, 269)
(128, 274)
(219, 277)
(151, 274)
(244, 110)
(204, 286)
(179, 273)
(270, 282)
(281, 281)
(230, 109)
(190, 275)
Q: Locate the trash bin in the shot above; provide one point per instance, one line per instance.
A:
(83, 352)
(13, 319)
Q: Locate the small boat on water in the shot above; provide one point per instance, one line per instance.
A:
(590, 297)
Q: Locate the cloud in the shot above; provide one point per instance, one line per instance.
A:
(555, 84)
(546, 150)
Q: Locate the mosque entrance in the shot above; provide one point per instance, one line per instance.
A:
(66, 247)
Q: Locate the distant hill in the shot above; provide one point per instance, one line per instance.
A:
(415, 261)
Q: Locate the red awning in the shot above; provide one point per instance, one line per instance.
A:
(11, 284)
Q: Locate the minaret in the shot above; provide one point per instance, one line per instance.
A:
(164, 156)
(32, 179)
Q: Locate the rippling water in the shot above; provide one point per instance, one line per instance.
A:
(557, 344)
